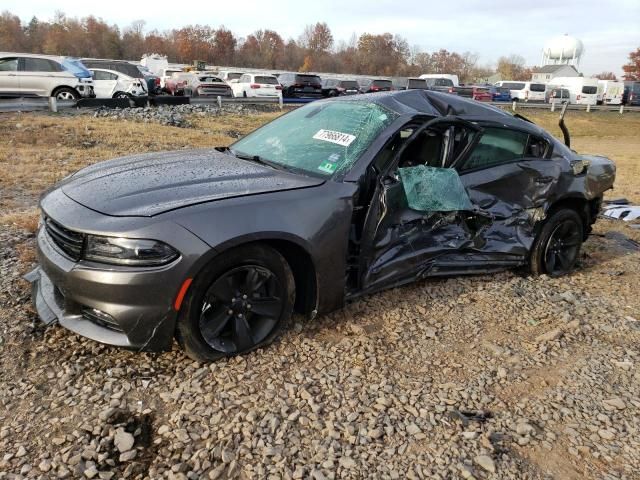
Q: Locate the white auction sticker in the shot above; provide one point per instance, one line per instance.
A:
(340, 138)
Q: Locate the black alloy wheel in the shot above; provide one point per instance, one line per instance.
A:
(239, 302)
(558, 243)
(562, 248)
(241, 308)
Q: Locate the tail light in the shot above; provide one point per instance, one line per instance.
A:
(254, 85)
(340, 89)
(157, 82)
(374, 89)
(278, 87)
(450, 89)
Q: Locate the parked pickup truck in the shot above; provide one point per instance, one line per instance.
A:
(445, 85)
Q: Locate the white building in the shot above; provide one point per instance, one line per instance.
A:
(549, 72)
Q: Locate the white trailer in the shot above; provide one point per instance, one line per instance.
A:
(610, 92)
(584, 91)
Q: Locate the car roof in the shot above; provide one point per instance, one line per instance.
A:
(35, 55)
(439, 104)
(115, 72)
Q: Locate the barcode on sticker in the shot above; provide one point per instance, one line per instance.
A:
(340, 138)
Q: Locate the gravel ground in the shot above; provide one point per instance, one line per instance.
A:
(177, 116)
(490, 377)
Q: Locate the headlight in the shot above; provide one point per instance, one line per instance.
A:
(128, 251)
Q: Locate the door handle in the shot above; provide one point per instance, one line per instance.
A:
(544, 180)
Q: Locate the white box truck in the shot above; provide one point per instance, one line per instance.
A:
(584, 91)
(610, 92)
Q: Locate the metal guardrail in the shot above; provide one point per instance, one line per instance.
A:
(53, 105)
(34, 104)
(572, 106)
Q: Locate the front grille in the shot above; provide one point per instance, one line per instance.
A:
(68, 241)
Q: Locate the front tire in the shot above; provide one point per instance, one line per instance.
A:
(557, 246)
(239, 302)
(66, 94)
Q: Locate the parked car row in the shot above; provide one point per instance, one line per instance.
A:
(67, 78)
(29, 75)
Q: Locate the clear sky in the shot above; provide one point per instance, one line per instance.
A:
(491, 28)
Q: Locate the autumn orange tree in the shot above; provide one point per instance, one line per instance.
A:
(606, 76)
(315, 49)
(632, 69)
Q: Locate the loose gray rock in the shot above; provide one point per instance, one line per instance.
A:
(128, 456)
(123, 440)
(486, 463)
(549, 336)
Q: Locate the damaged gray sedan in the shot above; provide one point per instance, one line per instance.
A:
(334, 200)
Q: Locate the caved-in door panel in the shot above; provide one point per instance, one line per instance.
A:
(514, 194)
(410, 239)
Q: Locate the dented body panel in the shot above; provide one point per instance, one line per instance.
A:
(360, 228)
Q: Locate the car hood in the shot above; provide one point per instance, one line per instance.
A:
(154, 183)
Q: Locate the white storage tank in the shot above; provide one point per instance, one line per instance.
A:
(564, 49)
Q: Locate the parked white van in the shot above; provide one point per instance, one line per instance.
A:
(453, 78)
(610, 92)
(583, 91)
(524, 91)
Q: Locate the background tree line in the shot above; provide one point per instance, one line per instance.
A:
(314, 50)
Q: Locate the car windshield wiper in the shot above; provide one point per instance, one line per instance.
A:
(258, 159)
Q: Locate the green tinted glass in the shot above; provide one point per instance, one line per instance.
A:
(319, 139)
(430, 189)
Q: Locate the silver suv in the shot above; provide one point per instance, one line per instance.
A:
(30, 75)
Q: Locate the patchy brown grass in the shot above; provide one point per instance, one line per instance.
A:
(22, 219)
(38, 150)
(603, 133)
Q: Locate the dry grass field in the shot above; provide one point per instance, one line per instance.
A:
(380, 389)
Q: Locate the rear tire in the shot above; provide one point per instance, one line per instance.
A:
(241, 301)
(557, 246)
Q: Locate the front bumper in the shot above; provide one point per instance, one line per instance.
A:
(127, 307)
(85, 91)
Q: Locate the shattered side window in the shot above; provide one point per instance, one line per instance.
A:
(430, 189)
(318, 139)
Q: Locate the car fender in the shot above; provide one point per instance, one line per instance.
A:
(316, 219)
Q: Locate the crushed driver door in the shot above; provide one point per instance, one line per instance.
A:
(420, 212)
